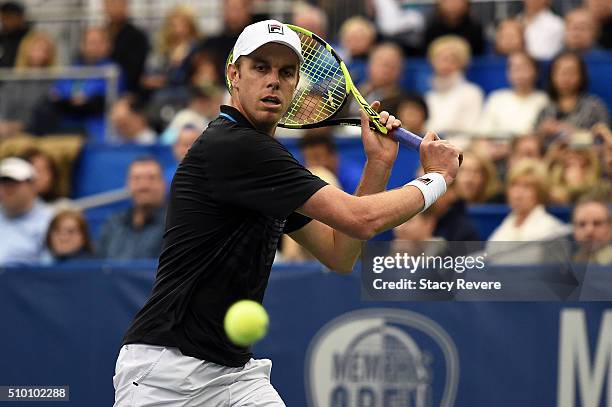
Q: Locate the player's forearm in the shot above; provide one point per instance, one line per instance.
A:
(373, 180)
(384, 211)
(365, 216)
(345, 221)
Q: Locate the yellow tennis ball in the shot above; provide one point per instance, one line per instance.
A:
(246, 322)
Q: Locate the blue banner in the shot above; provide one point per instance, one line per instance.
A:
(63, 327)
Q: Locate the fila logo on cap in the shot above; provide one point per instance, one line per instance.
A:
(275, 29)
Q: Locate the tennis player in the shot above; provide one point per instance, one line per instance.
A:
(235, 192)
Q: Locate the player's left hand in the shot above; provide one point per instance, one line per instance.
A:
(379, 147)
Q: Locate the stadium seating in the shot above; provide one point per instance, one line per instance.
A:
(489, 72)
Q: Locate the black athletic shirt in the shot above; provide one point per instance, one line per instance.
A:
(232, 197)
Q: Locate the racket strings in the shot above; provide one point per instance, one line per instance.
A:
(322, 86)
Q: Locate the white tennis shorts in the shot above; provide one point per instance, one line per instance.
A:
(147, 375)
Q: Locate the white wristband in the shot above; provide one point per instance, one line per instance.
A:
(432, 185)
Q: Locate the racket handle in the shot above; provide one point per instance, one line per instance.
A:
(407, 138)
(411, 140)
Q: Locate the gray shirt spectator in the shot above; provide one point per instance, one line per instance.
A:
(122, 240)
(588, 111)
(23, 218)
(137, 233)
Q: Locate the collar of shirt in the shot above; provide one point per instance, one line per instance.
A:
(445, 84)
(232, 114)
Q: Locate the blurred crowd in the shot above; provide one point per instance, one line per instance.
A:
(544, 140)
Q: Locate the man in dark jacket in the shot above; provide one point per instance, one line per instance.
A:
(452, 17)
(14, 28)
(130, 45)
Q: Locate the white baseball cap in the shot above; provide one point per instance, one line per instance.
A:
(16, 169)
(255, 35)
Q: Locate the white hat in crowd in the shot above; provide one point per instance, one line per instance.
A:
(16, 169)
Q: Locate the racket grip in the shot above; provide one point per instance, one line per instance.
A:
(407, 138)
(411, 140)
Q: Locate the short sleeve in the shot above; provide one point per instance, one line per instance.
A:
(250, 169)
(296, 221)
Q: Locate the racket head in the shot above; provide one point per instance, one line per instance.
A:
(323, 88)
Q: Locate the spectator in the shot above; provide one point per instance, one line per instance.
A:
(527, 192)
(68, 238)
(576, 173)
(23, 218)
(176, 43)
(602, 12)
(201, 94)
(524, 147)
(19, 98)
(454, 103)
(509, 37)
(130, 122)
(581, 31)
(186, 136)
(73, 101)
(401, 25)
(570, 106)
(46, 182)
(543, 29)
(130, 45)
(604, 134)
(203, 72)
(452, 17)
(37, 50)
(514, 111)
(137, 233)
(237, 14)
(13, 28)
(413, 113)
(203, 107)
(452, 221)
(310, 18)
(319, 150)
(477, 180)
(592, 223)
(357, 37)
(385, 67)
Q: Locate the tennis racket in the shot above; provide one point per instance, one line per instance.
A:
(323, 91)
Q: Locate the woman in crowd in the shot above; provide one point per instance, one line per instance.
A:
(524, 147)
(576, 172)
(571, 106)
(454, 103)
(357, 37)
(18, 98)
(176, 42)
(46, 182)
(514, 110)
(527, 193)
(509, 37)
(477, 180)
(68, 237)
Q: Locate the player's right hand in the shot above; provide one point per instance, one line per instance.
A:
(439, 156)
